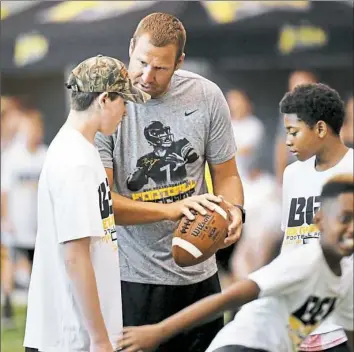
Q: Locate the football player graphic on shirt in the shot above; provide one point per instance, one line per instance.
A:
(166, 163)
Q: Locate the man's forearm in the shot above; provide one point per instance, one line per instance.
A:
(79, 268)
(210, 308)
(230, 188)
(131, 212)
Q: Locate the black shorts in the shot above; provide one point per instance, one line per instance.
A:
(148, 304)
(223, 257)
(237, 348)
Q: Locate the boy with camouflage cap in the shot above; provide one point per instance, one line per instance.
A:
(74, 301)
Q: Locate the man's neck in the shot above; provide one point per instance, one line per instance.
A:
(331, 154)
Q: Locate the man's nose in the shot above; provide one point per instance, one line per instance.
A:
(148, 75)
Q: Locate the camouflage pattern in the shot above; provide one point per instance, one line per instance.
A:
(106, 74)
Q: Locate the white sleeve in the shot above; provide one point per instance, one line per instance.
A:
(76, 206)
(343, 313)
(285, 201)
(286, 274)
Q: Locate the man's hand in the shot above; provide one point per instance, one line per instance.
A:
(175, 211)
(235, 226)
(141, 338)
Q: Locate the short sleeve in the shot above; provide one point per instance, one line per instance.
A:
(105, 146)
(285, 201)
(76, 206)
(286, 274)
(343, 314)
(221, 144)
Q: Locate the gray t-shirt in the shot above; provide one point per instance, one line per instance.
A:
(158, 154)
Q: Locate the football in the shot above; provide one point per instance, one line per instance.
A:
(197, 240)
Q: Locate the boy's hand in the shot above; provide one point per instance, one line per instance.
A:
(140, 338)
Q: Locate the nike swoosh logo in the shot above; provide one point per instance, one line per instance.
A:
(190, 112)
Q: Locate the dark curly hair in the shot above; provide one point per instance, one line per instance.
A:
(315, 102)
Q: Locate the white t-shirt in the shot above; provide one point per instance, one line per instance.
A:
(248, 133)
(300, 285)
(74, 201)
(302, 186)
(19, 179)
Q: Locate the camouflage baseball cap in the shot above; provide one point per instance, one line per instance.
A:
(105, 74)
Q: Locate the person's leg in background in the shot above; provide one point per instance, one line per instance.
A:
(7, 273)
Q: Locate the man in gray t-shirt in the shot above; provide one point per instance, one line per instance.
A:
(155, 163)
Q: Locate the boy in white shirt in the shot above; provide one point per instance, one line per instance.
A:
(74, 301)
(308, 284)
(313, 117)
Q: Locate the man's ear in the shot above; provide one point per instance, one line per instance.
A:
(317, 219)
(131, 46)
(180, 61)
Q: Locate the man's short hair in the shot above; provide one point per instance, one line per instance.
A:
(315, 102)
(164, 29)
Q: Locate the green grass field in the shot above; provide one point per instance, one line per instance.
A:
(12, 340)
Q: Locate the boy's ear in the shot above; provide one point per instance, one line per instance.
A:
(102, 99)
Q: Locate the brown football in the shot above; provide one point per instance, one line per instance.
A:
(197, 240)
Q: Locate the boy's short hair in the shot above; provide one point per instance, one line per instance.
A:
(343, 183)
(315, 102)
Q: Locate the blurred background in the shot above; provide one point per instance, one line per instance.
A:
(254, 50)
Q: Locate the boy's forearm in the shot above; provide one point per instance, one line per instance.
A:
(80, 270)
(209, 308)
(131, 212)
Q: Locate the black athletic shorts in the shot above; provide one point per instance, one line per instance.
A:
(223, 257)
(148, 304)
(237, 348)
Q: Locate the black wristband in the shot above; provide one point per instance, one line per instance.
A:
(243, 211)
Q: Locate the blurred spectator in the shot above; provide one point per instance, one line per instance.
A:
(21, 167)
(282, 156)
(11, 117)
(248, 129)
(261, 235)
(347, 131)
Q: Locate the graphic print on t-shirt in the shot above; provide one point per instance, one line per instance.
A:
(164, 167)
(308, 317)
(106, 208)
(300, 228)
